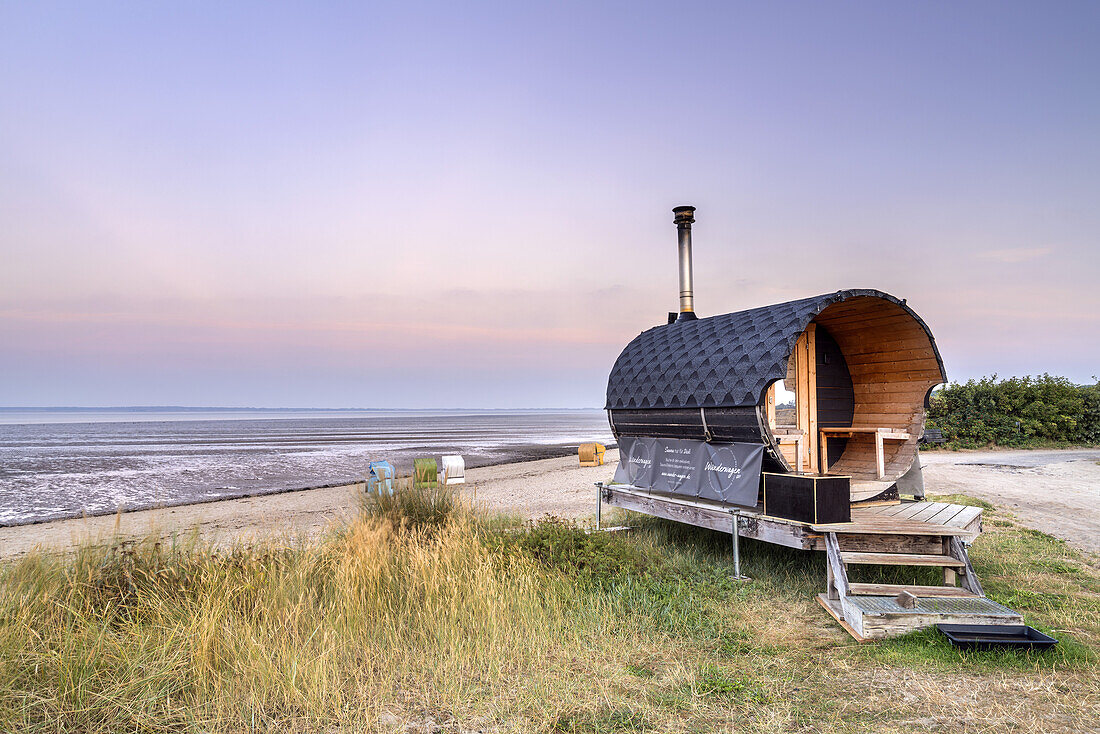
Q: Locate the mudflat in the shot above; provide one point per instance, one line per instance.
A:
(557, 486)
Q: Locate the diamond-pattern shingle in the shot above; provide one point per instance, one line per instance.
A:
(716, 362)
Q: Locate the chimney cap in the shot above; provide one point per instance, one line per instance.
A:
(684, 214)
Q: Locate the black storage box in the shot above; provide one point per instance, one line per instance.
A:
(809, 498)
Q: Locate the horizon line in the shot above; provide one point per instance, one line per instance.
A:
(254, 408)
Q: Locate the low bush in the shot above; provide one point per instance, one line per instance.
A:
(414, 507)
(568, 546)
(1018, 412)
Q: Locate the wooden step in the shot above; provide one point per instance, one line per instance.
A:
(877, 617)
(899, 559)
(895, 589)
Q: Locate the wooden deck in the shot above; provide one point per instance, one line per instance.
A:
(930, 513)
(924, 518)
(901, 518)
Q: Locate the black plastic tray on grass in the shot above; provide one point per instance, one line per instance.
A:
(986, 636)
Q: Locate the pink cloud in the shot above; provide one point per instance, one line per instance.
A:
(1015, 255)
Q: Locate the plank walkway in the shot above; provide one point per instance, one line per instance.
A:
(962, 517)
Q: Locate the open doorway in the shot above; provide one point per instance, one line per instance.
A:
(791, 405)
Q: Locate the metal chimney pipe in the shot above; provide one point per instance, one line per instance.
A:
(684, 216)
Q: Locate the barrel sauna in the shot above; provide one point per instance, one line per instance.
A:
(859, 363)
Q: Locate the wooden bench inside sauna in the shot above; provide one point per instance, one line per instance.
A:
(824, 400)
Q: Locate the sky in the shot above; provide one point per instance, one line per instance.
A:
(469, 205)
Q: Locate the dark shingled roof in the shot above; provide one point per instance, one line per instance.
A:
(720, 361)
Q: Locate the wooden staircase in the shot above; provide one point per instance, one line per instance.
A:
(871, 611)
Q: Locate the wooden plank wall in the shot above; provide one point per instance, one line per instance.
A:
(802, 380)
(893, 366)
(789, 451)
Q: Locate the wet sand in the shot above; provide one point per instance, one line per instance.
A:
(506, 456)
(54, 467)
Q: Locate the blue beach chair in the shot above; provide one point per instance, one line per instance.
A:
(380, 478)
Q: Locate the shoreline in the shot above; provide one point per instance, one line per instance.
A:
(510, 455)
(554, 484)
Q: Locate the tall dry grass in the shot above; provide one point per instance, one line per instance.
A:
(420, 616)
(384, 614)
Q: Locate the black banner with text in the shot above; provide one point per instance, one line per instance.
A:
(728, 472)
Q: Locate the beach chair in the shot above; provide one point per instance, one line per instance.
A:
(454, 470)
(380, 476)
(591, 454)
(425, 473)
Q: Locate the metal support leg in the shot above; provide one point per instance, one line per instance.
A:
(599, 503)
(735, 515)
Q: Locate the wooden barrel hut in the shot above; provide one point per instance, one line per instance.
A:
(797, 424)
(833, 384)
(860, 365)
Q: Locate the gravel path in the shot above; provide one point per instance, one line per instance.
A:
(1057, 492)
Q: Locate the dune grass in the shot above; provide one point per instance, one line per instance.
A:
(424, 616)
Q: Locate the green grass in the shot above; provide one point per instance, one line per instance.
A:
(620, 719)
(422, 614)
